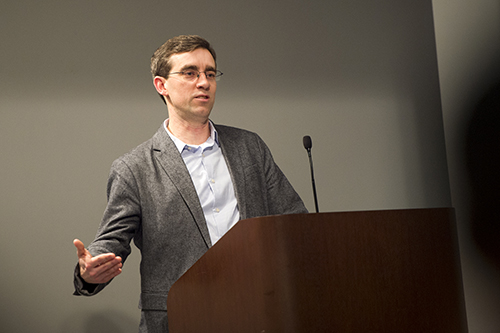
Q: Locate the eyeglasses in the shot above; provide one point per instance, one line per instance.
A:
(193, 75)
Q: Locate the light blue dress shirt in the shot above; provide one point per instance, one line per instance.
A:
(212, 181)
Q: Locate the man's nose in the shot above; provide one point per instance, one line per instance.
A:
(203, 80)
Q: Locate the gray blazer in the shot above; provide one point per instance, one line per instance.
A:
(152, 199)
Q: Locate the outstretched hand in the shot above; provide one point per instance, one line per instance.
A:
(98, 269)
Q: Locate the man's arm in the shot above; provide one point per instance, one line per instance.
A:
(282, 197)
(103, 259)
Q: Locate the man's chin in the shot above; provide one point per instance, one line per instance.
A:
(201, 116)
(203, 112)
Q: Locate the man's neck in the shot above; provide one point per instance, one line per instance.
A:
(189, 133)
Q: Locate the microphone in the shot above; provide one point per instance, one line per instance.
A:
(308, 145)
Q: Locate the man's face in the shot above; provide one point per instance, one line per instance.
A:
(190, 101)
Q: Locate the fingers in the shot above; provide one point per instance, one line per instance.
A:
(103, 259)
(106, 271)
(102, 268)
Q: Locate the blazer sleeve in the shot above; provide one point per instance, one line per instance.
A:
(120, 223)
(282, 197)
(261, 187)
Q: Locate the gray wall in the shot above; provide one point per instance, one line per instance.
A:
(359, 77)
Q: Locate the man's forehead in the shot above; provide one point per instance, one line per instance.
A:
(192, 59)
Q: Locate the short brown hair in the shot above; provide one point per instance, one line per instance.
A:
(160, 64)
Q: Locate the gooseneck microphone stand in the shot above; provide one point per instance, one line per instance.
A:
(308, 145)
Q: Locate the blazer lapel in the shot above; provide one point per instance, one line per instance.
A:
(234, 163)
(171, 161)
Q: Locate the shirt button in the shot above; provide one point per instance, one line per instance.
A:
(217, 210)
(212, 181)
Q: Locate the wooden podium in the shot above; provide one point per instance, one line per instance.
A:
(369, 271)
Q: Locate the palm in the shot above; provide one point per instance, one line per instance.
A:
(98, 269)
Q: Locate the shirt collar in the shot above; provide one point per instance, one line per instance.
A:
(213, 138)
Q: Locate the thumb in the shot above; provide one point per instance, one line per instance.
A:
(80, 248)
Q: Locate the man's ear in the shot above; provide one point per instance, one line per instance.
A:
(160, 84)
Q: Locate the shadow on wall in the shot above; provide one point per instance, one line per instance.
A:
(482, 153)
(100, 322)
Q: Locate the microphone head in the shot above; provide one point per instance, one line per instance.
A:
(307, 142)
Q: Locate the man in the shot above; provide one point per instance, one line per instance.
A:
(179, 192)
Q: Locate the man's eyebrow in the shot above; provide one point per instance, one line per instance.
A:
(194, 67)
(186, 67)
